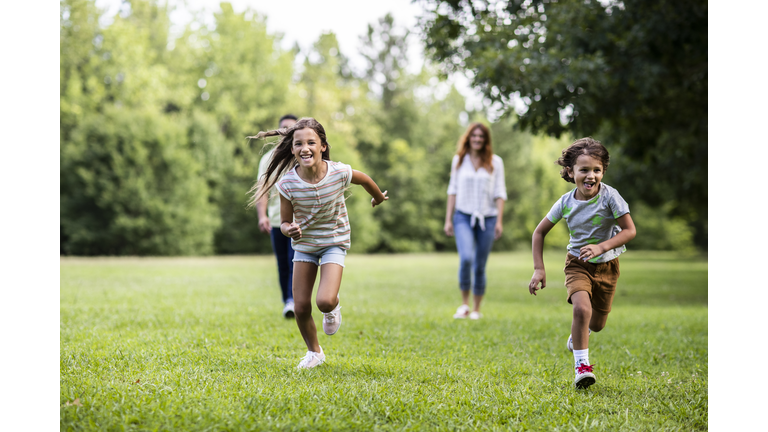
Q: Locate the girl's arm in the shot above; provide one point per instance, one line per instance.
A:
(627, 233)
(539, 275)
(362, 179)
(448, 228)
(499, 228)
(288, 227)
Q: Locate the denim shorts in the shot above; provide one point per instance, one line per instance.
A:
(331, 254)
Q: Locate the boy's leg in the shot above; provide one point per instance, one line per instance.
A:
(304, 275)
(582, 315)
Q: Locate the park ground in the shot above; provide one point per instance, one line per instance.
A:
(200, 344)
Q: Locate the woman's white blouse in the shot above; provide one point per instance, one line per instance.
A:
(477, 191)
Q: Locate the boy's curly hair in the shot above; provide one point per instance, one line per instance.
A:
(583, 146)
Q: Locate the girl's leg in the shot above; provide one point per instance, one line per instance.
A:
(484, 242)
(582, 314)
(328, 291)
(304, 275)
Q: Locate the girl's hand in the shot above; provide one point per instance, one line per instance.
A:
(374, 203)
(448, 228)
(538, 276)
(293, 231)
(590, 251)
(497, 231)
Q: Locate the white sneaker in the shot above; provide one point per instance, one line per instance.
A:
(461, 312)
(312, 359)
(332, 321)
(584, 376)
(474, 315)
(288, 310)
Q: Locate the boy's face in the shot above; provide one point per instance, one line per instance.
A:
(587, 172)
(286, 123)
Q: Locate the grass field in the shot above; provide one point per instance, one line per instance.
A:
(199, 344)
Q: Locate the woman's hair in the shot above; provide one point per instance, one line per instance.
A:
(282, 159)
(583, 146)
(486, 153)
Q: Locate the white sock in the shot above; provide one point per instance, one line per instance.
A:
(581, 356)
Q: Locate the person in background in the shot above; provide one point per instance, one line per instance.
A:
(268, 210)
(476, 195)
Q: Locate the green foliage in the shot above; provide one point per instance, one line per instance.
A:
(204, 91)
(632, 74)
(130, 186)
(200, 344)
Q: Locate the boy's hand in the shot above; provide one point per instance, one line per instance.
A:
(293, 231)
(374, 203)
(538, 276)
(590, 251)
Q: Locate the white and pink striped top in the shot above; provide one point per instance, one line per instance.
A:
(319, 209)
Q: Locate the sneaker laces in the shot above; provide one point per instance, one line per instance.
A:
(307, 358)
(330, 317)
(584, 368)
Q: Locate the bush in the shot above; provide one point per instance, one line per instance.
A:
(130, 186)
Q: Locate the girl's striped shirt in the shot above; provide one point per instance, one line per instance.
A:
(319, 209)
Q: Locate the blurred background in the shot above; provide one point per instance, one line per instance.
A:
(156, 99)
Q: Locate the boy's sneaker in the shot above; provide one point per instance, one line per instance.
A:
(584, 376)
(474, 315)
(288, 310)
(332, 320)
(462, 312)
(312, 359)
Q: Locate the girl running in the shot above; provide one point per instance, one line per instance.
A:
(313, 214)
(600, 225)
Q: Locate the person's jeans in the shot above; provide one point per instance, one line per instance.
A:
(474, 246)
(281, 245)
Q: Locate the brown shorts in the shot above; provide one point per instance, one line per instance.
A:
(599, 280)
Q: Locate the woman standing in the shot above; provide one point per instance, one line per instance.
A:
(476, 195)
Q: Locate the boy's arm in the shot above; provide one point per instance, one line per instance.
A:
(539, 274)
(362, 179)
(627, 233)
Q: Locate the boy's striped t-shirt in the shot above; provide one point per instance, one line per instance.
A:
(319, 209)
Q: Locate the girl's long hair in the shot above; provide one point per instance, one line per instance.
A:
(282, 159)
(486, 153)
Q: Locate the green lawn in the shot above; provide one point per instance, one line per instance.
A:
(199, 344)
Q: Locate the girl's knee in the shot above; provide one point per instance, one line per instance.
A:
(302, 309)
(326, 304)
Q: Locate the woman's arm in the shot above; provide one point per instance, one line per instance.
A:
(362, 179)
(539, 274)
(499, 228)
(451, 206)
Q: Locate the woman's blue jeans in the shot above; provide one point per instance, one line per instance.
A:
(474, 246)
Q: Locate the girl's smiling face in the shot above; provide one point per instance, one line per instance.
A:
(307, 148)
(587, 172)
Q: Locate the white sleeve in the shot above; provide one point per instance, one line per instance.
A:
(500, 186)
(452, 184)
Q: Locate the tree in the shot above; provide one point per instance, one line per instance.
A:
(632, 74)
